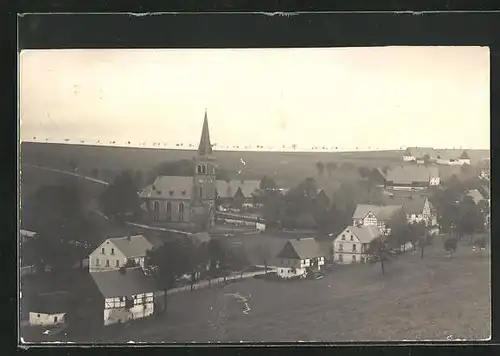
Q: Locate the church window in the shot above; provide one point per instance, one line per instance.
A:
(203, 169)
(201, 192)
(169, 210)
(156, 210)
(198, 169)
(181, 211)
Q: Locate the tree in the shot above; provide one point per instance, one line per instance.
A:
(268, 185)
(450, 245)
(217, 255)
(139, 178)
(169, 261)
(330, 167)
(263, 254)
(320, 167)
(120, 198)
(364, 172)
(426, 159)
(471, 218)
(378, 251)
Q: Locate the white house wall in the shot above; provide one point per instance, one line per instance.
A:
(43, 319)
(98, 259)
(115, 311)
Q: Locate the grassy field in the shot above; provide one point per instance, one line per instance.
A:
(431, 299)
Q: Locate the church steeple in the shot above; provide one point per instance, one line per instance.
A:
(205, 147)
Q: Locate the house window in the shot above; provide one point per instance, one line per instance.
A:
(38, 315)
(55, 319)
(117, 263)
(353, 258)
(169, 210)
(103, 251)
(112, 251)
(354, 248)
(352, 238)
(198, 169)
(107, 263)
(97, 262)
(341, 247)
(156, 210)
(341, 258)
(343, 236)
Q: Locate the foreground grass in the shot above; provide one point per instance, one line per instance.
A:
(431, 299)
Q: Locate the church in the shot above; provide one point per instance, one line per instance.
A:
(186, 202)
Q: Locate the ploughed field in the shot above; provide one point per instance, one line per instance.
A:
(436, 298)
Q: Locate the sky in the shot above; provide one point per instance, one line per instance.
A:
(332, 98)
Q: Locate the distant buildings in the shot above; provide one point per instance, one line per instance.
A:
(416, 206)
(298, 256)
(237, 193)
(412, 178)
(423, 155)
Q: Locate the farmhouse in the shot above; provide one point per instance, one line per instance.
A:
(352, 244)
(114, 253)
(237, 193)
(416, 206)
(412, 178)
(49, 310)
(375, 215)
(186, 200)
(124, 295)
(452, 157)
(299, 256)
(419, 154)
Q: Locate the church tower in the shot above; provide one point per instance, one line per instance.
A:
(204, 180)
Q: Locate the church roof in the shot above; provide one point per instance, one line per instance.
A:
(205, 147)
(169, 187)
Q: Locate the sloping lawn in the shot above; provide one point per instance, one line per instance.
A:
(431, 299)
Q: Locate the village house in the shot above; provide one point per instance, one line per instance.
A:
(49, 310)
(185, 201)
(237, 194)
(298, 257)
(420, 154)
(352, 244)
(417, 206)
(452, 157)
(375, 215)
(412, 178)
(123, 295)
(115, 252)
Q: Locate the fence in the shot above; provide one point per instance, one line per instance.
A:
(217, 281)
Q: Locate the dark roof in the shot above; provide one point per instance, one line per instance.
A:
(169, 187)
(301, 248)
(412, 204)
(381, 212)
(410, 174)
(55, 303)
(118, 284)
(365, 234)
(205, 147)
(133, 246)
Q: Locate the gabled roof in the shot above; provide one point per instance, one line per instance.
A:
(381, 212)
(229, 189)
(55, 303)
(410, 174)
(451, 154)
(365, 234)
(205, 146)
(169, 187)
(301, 248)
(464, 155)
(420, 152)
(412, 204)
(135, 246)
(117, 284)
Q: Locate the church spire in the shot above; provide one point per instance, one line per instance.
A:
(205, 147)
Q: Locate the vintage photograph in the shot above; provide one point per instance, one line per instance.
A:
(254, 195)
